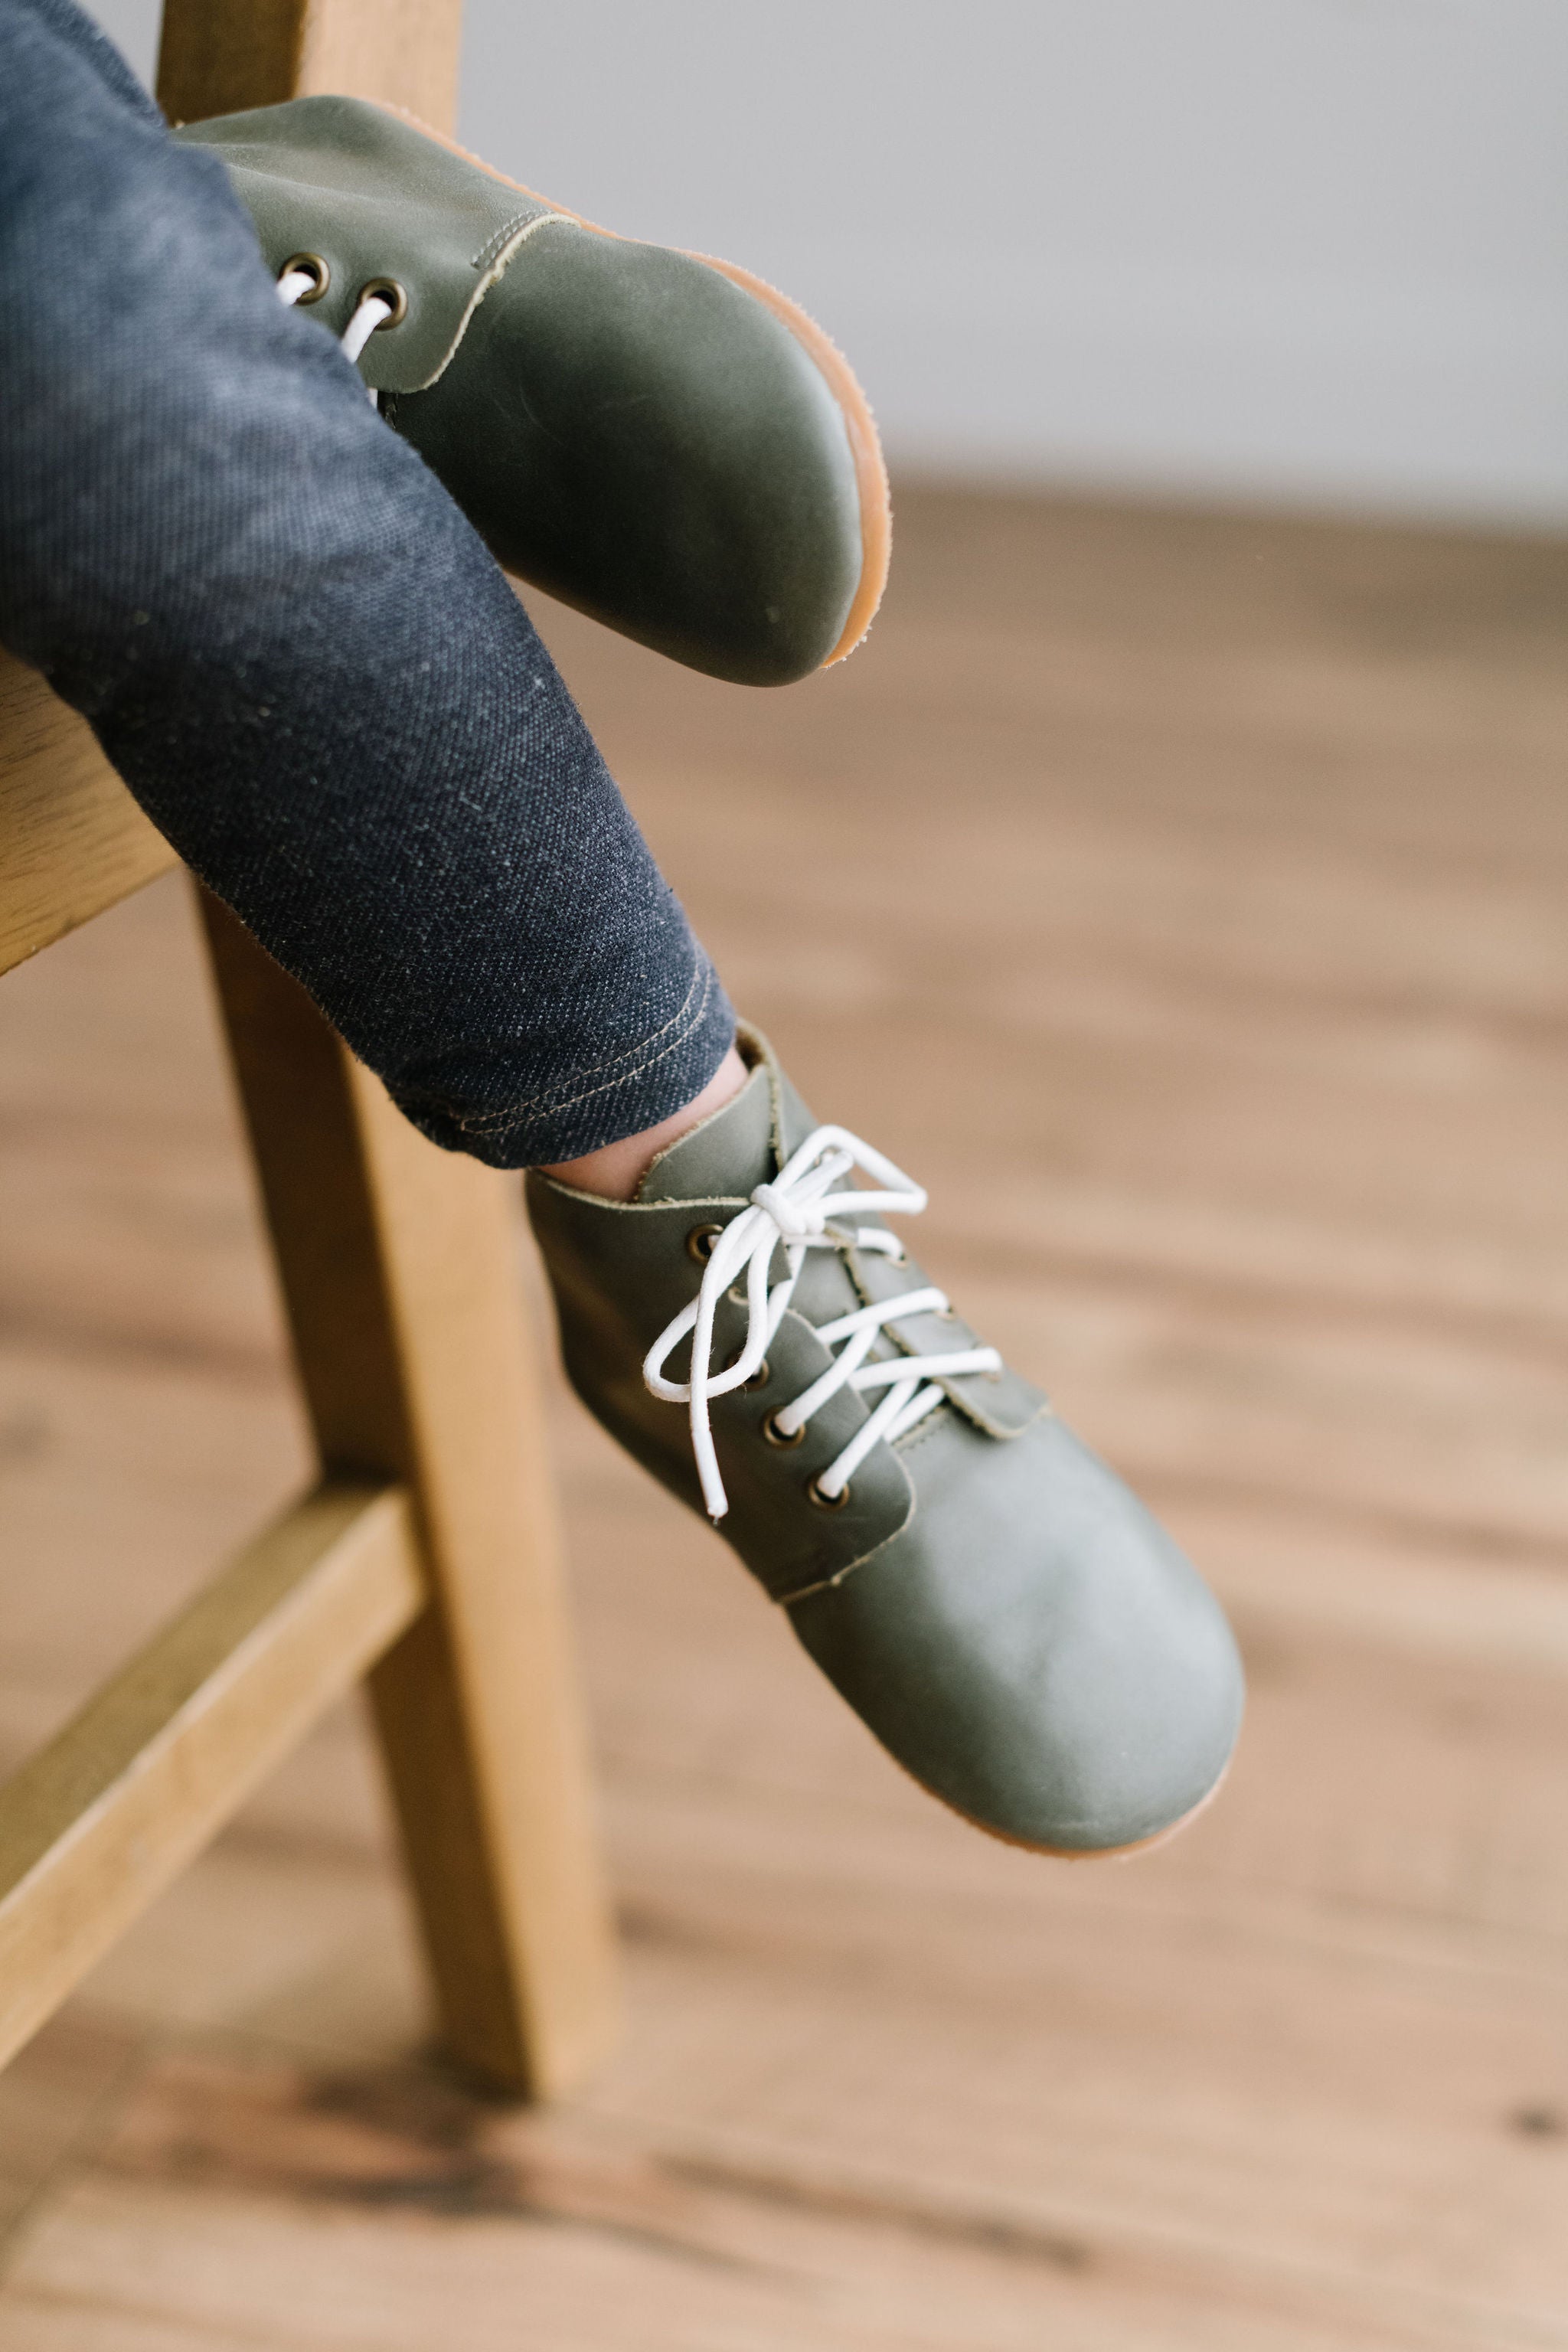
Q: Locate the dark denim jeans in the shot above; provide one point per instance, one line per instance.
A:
(298, 654)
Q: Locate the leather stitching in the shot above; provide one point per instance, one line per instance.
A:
(491, 246)
(494, 270)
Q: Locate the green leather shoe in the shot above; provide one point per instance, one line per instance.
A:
(654, 436)
(994, 1605)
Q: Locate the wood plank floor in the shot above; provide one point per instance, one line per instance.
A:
(1185, 900)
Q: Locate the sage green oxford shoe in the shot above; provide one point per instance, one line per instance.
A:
(992, 1602)
(655, 437)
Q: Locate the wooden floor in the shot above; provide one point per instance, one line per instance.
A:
(1186, 902)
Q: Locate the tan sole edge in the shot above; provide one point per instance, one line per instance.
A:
(870, 472)
(1078, 1853)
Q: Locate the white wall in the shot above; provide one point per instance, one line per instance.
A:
(1314, 250)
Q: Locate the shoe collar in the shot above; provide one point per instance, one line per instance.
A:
(743, 1144)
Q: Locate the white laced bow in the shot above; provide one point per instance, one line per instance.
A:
(801, 1209)
(370, 311)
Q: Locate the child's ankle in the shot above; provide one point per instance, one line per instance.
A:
(615, 1169)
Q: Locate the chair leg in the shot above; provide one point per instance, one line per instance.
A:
(219, 56)
(399, 1270)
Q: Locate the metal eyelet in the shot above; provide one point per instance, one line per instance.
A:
(759, 1378)
(310, 265)
(700, 1242)
(385, 289)
(826, 1502)
(777, 1436)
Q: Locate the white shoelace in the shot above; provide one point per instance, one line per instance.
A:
(801, 1209)
(293, 285)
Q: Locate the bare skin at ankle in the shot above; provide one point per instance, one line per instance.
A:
(615, 1169)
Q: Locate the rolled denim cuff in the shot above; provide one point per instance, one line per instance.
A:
(611, 1096)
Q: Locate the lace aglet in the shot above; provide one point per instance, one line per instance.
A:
(715, 1501)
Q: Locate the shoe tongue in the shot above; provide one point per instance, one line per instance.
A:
(725, 1156)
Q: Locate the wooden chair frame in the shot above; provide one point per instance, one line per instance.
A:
(428, 1558)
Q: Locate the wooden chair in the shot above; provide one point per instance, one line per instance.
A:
(426, 1558)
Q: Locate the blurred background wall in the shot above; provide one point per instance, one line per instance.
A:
(1311, 251)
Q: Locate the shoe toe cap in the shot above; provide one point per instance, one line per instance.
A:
(1033, 1647)
(637, 433)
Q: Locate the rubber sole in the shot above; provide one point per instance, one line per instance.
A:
(870, 472)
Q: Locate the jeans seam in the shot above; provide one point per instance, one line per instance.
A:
(550, 1104)
(545, 1100)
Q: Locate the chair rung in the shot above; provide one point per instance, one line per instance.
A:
(72, 840)
(100, 1819)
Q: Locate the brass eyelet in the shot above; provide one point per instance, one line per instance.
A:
(386, 289)
(312, 265)
(826, 1502)
(777, 1436)
(700, 1242)
(759, 1378)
